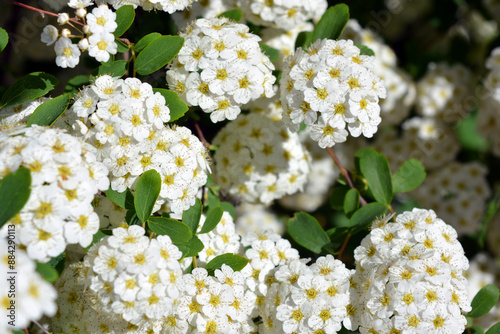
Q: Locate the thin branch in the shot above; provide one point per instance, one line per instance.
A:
(200, 135)
(342, 248)
(41, 327)
(346, 175)
(41, 11)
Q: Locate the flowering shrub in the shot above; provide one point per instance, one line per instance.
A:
(155, 180)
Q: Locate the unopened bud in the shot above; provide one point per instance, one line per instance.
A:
(83, 44)
(63, 18)
(86, 29)
(65, 32)
(81, 12)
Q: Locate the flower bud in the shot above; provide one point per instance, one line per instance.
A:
(63, 18)
(86, 29)
(81, 12)
(65, 32)
(83, 44)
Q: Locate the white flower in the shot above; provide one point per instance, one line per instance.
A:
(68, 54)
(102, 20)
(83, 224)
(102, 45)
(157, 112)
(49, 34)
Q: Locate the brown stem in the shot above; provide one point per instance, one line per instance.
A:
(26, 331)
(41, 327)
(200, 135)
(41, 11)
(346, 175)
(342, 248)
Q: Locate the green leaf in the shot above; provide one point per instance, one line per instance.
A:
(177, 107)
(337, 235)
(49, 111)
(475, 330)
(29, 87)
(192, 248)
(495, 329)
(272, 53)
(213, 199)
(304, 39)
(376, 171)
(124, 17)
(121, 47)
(191, 217)
(233, 14)
(176, 230)
(307, 232)
(4, 39)
(332, 23)
(213, 218)
(484, 300)
(228, 207)
(337, 197)
(47, 272)
(75, 84)
(132, 219)
(351, 202)
(364, 216)
(14, 193)
(116, 69)
(408, 177)
(145, 41)
(124, 200)
(158, 54)
(468, 136)
(236, 262)
(58, 263)
(364, 50)
(146, 193)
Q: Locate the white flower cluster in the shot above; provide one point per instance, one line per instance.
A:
(25, 296)
(432, 142)
(19, 114)
(220, 67)
(444, 92)
(98, 38)
(322, 176)
(401, 91)
(125, 120)
(330, 87)
(221, 240)
(135, 278)
(409, 277)
(281, 14)
(487, 121)
(201, 9)
(259, 159)
(65, 177)
(169, 6)
(458, 193)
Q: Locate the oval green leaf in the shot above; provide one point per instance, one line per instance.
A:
(124, 17)
(145, 41)
(116, 69)
(408, 177)
(177, 107)
(351, 202)
(376, 171)
(364, 216)
(213, 218)
(192, 248)
(4, 39)
(332, 23)
(15, 189)
(236, 262)
(307, 232)
(49, 111)
(47, 272)
(364, 50)
(495, 329)
(158, 54)
(484, 301)
(121, 47)
(146, 193)
(191, 217)
(272, 53)
(29, 87)
(337, 197)
(233, 14)
(304, 39)
(124, 200)
(75, 84)
(176, 230)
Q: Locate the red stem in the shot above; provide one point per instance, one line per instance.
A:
(200, 134)
(342, 248)
(344, 172)
(41, 11)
